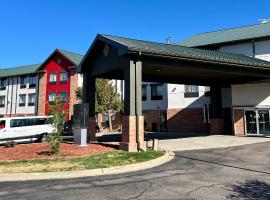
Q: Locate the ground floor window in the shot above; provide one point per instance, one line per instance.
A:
(257, 121)
(22, 100)
(191, 91)
(2, 101)
(156, 91)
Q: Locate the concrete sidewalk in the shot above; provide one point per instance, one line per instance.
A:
(208, 142)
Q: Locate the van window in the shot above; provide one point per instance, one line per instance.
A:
(38, 121)
(19, 122)
(2, 124)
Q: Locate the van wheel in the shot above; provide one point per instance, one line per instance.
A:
(42, 137)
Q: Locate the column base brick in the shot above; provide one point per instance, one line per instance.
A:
(92, 130)
(216, 126)
(129, 142)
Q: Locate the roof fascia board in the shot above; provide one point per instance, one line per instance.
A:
(122, 49)
(203, 60)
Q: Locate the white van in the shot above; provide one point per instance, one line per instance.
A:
(23, 129)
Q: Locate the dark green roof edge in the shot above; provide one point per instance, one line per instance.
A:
(228, 35)
(185, 52)
(18, 71)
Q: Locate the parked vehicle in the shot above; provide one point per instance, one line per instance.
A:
(23, 129)
(68, 128)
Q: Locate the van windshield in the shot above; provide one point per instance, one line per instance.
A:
(2, 124)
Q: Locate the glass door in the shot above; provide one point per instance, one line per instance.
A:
(263, 121)
(251, 119)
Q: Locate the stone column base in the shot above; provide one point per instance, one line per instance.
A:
(129, 127)
(91, 134)
(216, 126)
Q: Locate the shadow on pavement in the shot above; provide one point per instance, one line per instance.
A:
(150, 136)
(251, 189)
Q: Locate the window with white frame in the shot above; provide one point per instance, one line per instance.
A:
(63, 77)
(191, 91)
(52, 96)
(63, 96)
(22, 100)
(23, 81)
(31, 99)
(32, 81)
(53, 78)
(144, 92)
(156, 91)
(3, 84)
(2, 101)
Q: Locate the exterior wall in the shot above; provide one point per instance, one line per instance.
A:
(176, 97)
(42, 94)
(238, 121)
(74, 82)
(149, 104)
(12, 93)
(188, 120)
(262, 49)
(256, 94)
(57, 64)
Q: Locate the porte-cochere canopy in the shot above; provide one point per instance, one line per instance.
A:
(109, 55)
(136, 61)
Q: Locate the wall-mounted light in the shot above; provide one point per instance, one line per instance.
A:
(157, 69)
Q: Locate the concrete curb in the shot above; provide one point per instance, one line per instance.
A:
(84, 173)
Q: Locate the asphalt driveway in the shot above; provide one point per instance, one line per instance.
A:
(241, 172)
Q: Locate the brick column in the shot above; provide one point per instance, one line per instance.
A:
(91, 129)
(42, 93)
(129, 142)
(216, 126)
(238, 122)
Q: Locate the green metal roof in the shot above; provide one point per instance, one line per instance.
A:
(22, 70)
(74, 57)
(228, 35)
(183, 52)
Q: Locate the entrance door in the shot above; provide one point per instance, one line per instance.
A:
(251, 125)
(264, 122)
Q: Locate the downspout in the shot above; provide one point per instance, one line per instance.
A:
(37, 94)
(17, 85)
(7, 95)
(12, 81)
(139, 146)
(253, 48)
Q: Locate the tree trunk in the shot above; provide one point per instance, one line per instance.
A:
(110, 120)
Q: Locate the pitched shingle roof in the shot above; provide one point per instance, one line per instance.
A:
(22, 70)
(185, 52)
(74, 57)
(228, 35)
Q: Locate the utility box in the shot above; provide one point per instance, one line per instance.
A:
(80, 120)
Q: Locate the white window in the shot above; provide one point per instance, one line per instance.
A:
(191, 91)
(52, 97)
(53, 78)
(23, 81)
(156, 91)
(32, 81)
(144, 92)
(22, 100)
(31, 99)
(2, 101)
(3, 84)
(63, 96)
(63, 77)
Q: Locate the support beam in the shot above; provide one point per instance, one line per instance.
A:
(216, 114)
(133, 131)
(89, 90)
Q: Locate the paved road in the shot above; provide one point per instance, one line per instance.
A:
(241, 172)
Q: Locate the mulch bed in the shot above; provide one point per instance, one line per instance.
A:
(41, 151)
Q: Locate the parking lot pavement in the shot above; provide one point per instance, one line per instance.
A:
(241, 172)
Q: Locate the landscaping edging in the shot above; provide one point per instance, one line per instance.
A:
(84, 173)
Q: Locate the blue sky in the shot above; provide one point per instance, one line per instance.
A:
(31, 29)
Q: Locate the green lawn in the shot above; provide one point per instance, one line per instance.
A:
(104, 160)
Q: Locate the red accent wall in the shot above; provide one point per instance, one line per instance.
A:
(54, 66)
